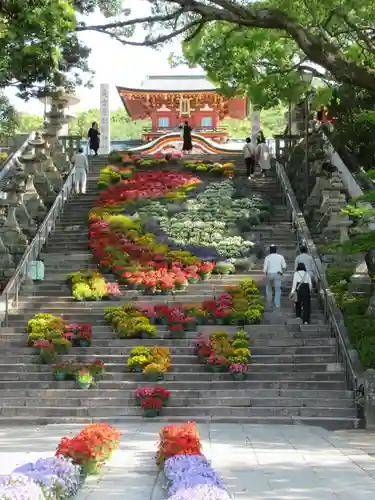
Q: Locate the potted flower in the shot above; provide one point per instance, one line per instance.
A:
(217, 363)
(181, 283)
(177, 330)
(153, 372)
(84, 379)
(137, 363)
(143, 393)
(97, 370)
(48, 354)
(205, 270)
(40, 344)
(61, 344)
(225, 268)
(238, 371)
(152, 407)
(161, 393)
(113, 291)
(59, 371)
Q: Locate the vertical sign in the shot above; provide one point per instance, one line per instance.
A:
(105, 115)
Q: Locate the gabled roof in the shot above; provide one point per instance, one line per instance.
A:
(176, 83)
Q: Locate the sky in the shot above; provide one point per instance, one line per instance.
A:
(115, 64)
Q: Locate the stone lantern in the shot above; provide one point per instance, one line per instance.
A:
(31, 198)
(10, 233)
(41, 181)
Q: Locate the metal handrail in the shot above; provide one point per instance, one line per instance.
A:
(330, 308)
(10, 295)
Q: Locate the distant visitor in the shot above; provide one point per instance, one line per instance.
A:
(249, 155)
(187, 140)
(273, 269)
(93, 135)
(81, 167)
(263, 155)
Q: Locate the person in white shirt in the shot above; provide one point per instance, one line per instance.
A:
(273, 268)
(263, 155)
(81, 167)
(249, 155)
(302, 286)
(305, 258)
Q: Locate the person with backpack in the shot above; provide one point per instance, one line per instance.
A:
(301, 293)
(249, 154)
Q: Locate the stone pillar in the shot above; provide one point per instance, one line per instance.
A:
(42, 183)
(7, 266)
(31, 198)
(370, 399)
(11, 234)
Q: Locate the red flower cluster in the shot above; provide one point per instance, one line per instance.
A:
(75, 332)
(219, 307)
(178, 440)
(92, 446)
(154, 184)
(172, 315)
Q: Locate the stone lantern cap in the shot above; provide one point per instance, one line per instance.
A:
(60, 96)
(38, 140)
(28, 157)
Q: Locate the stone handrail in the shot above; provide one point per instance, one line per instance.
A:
(10, 295)
(332, 314)
(11, 160)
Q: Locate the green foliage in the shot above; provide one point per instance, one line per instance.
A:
(27, 123)
(8, 117)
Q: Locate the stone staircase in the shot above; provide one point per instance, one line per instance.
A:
(294, 377)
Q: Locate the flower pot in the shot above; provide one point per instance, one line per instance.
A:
(84, 343)
(177, 335)
(153, 377)
(216, 368)
(84, 385)
(181, 288)
(219, 321)
(59, 376)
(137, 369)
(190, 327)
(239, 375)
(151, 413)
(205, 276)
(225, 272)
(193, 281)
(92, 467)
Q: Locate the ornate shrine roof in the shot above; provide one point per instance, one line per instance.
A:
(173, 83)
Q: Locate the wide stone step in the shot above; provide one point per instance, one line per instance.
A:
(23, 354)
(178, 411)
(329, 423)
(177, 401)
(282, 383)
(92, 397)
(115, 362)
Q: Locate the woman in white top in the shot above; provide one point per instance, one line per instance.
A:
(302, 286)
(263, 155)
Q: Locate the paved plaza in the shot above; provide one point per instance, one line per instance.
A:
(256, 461)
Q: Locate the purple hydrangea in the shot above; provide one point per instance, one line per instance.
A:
(57, 476)
(19, 487)
(192, 477)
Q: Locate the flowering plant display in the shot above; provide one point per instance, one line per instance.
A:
(57, 477)
(91, 286)
(152, 392)
(79, 334)
(129, 321)
(188, 472)
(68, 370)
(238, 368)
(150, 361)
(211, 222)
(112, 174)
(91, 447)
(219, 169)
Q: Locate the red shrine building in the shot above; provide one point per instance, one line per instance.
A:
(168, 101)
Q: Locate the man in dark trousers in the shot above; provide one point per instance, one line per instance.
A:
(249, 154)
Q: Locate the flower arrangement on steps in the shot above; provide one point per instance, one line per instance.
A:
(85, 373)
(60, 477)
(188, 472)
(152, 400)
(215, 168)
(151, 362)
(92, 286)
(51, 336)
(91, 447)
(218, 220)
(113, 174)
(128, 321)
(221, 353)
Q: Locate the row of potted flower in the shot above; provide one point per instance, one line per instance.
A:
(128, 321)
(58, 332)
(221, 353)
(152, 400)
(188, 472)
(216, 168)
(152, 362)
(85, 373)
(60, 477)
(90, 286)
(113, 174)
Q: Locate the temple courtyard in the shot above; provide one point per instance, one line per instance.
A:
(255, 461)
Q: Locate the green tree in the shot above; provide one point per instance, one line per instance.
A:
(269, 37)
(27, 123)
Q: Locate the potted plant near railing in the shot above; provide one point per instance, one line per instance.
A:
(84, 379)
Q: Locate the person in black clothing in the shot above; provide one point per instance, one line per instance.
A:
(93, 135)
(302, 286)
(188, 143)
